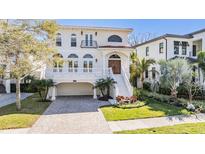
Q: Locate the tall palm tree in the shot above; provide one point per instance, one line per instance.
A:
(142, 66)
(133, 69)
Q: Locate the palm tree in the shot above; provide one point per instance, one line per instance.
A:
(105, 84)
(133, 68)
(142, 66)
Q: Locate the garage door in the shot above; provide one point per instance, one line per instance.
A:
(69, 89)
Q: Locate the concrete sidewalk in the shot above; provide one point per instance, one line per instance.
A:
(6, 99)
(155, 122)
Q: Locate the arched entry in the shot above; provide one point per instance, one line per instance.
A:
(114, 62)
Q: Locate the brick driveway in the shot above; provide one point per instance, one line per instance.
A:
(72, 115)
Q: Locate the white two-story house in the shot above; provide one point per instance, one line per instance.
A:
(90, 53)
(170, 46)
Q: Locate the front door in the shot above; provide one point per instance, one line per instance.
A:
(116, 66)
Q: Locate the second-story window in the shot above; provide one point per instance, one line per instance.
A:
(161, 47)
(73, 40)
(176, 47)
(184, 48)
(114, 38)
(147, 51)
(58, 40)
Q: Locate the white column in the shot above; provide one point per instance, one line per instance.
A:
(8, 86)
(94, 93)
(53, 93)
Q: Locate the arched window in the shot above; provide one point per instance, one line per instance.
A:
(57, 62)
(115, 56)
(58, 39)
(114, 38)
(72, 56)
(73, 40)
(88, 63)
(87, 56)
(72, 63)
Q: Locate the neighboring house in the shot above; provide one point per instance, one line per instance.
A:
(90, 53)
(170, 46)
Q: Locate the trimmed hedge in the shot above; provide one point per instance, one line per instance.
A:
(25, 87)
(143, 95)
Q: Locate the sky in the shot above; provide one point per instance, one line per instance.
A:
(154, 26)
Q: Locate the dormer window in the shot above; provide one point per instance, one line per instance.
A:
(58, 39)
(73, 40)
(114, 38)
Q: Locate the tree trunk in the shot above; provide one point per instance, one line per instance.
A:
(142, 80)
(18, 94)
(46, 93)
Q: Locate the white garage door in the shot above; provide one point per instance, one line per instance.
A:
(69, 89)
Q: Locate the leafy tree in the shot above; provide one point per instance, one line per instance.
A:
(42, 87)
(191, 87)
(25, 46)
(201, 62)
(172, 74)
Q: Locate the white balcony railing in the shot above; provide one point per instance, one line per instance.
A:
(73, 74)
(89, 44)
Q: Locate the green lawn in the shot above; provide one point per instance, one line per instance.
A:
(152, 109)
(31, 110)
(191, 128)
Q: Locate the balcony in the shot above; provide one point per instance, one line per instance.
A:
(89, 44)
(74, 74)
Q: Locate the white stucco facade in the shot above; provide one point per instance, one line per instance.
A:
(195, 42)
(78, 74)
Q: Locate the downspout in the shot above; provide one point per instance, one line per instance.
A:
(166, 47)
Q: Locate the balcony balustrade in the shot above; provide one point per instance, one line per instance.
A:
(89, 44)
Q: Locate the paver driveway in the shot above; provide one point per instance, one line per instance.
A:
(72, 115)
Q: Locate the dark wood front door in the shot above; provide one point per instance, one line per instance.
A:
(116, 66)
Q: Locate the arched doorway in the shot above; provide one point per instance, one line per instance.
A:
(115, 63)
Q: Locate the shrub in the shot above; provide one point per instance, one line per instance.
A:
(147, 86)
(125, 100)
(136, 92)
(24, 87)
(164, 90)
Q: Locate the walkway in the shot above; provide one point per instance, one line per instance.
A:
(72, 115)
(155, 122)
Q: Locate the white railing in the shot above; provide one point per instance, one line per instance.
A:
(77, 73)
(127, 82)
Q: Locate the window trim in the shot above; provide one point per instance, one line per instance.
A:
(161, 47)
(115, 38)
(176, 46)
(73, 40)
(59, 39)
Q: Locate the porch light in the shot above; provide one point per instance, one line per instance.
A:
(96, 60)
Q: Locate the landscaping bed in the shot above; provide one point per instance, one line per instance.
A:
(143, 109)
(31, 110)
(190, 128)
